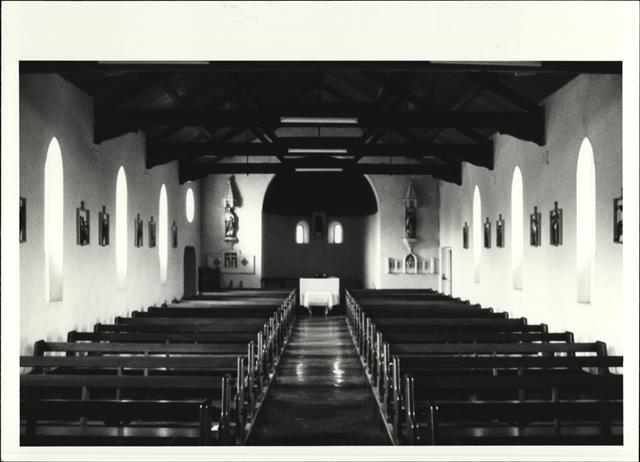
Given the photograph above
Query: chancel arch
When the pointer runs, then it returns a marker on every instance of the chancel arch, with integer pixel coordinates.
(323, 208)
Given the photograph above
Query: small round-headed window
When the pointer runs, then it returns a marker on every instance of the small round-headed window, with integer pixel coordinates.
(121, 229)
(53, 222)
(190, 206)
(302, 232)
(335, 233)
(163, 234)
(477, 233)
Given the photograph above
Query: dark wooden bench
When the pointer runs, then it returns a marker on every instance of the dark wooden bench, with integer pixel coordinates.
(551, 387)
(69, 422)
(150, 337)
(500, 423)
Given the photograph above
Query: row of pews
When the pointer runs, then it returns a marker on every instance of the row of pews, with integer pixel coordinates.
(446, 372)
(188, 373)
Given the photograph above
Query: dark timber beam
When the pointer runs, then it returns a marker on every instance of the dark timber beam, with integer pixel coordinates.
(194, 171)
(119, 67)
(477, 154)
(524, 125)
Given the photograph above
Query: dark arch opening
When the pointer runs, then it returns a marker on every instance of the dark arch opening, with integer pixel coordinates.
(190, 283)
(333, 193)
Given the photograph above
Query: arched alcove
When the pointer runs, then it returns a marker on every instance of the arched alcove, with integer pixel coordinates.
(317, 200)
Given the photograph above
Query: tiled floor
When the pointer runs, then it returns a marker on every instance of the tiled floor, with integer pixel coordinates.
(320, 395)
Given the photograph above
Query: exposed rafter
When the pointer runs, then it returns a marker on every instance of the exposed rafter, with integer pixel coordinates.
(192, 171)
(118, 68)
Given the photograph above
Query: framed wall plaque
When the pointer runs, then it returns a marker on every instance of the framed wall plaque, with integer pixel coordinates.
(617, 220)
(555, 225)
(487, 234)
(103, 227)
(465, 236)
(174, 235)
(534, 228)
(152, 233)
(138, 232)
(500, 232)
(318, 224)
(23, 219)
(82, 225)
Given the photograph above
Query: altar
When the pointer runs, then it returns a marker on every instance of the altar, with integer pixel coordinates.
(319, 292)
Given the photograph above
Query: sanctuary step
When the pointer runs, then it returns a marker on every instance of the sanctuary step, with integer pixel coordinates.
(320, 394)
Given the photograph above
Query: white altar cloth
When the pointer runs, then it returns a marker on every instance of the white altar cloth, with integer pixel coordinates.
(319, 292)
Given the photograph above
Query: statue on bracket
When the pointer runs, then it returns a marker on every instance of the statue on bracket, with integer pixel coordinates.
(230, 217)
(410, 204)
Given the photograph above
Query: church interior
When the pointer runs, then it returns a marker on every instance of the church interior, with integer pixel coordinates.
(276, 253)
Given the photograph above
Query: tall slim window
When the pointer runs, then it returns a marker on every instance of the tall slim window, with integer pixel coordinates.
(53, 223)
(302, 232)
(585, 220)
(477, 234)
(517, 229)
(122, 222)
(190, 206)
(163, 234)
(335, 233)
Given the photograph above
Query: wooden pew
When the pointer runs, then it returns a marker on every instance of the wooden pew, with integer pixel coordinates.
(66, 422)
(49, 389)
(443, 356)
(584, 422)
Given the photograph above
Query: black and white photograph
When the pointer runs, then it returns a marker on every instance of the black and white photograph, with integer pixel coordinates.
(152, 233)
(318, 182)
(555, 225)
(103, 227)
(82, 225)
(500, 232)
(23, 220)
(138, 231)
(534, 228)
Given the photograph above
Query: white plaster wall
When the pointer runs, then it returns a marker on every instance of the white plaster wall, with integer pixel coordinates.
(386, 241)
(587, 106)
(251, 189)
(50, 106)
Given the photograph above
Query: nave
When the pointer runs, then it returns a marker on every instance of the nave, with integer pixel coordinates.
(242, 367)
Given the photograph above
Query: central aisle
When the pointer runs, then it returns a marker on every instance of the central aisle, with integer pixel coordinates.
(320, 395)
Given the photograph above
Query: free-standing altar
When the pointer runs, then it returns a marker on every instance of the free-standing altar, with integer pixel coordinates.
(319, 292)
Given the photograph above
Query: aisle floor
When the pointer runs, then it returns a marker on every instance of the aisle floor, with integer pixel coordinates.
(320, 395)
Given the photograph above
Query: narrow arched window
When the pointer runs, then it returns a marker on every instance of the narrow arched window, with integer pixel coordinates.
(302, 232)
(189, 205)
(585, 220)
(122, 222)
(477, 234)
(517, 228)
(335, 234)
(163, 234)
(53, 223)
